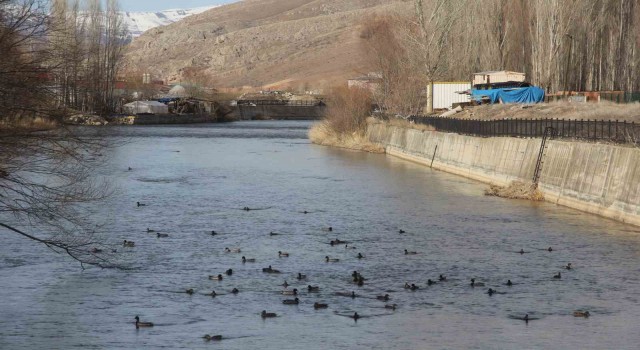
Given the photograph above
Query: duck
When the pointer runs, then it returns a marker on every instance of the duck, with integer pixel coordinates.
(233, 250)
(229, 272)
(235, 291)
(430, 282)
(383, 297)
(346, 246)
(273, 233)
(266, 314)
(568, 267)
(245, 260)
(407, 285)
(476, 284)
(442, 278)
(96, 250)
(246, 208)
(337, 241)
(401, 231)
(285, 284)
(311, 288)
(406, 252)
(141, 204)
(212, 294)
(550, 249)
(491, 291)
(305, 212)
(150, 230)
(584, 314)
(330, 229)
(270, 270)
(521, 251)
(295, 301)
(557, 276)
(142, 324)
(215, 278)
(317, 305)
(301, 276)
(189, 291)
(130, 168)
(327, 259)
(128, 243)
(355, 316)
(294, 291)
(526, 318)
(213, 232)
(360, 256)
(283, 254)
(509, 283)
(414, 287)
(360, 282)
(347, 294)
(208, 337)
(162, 235)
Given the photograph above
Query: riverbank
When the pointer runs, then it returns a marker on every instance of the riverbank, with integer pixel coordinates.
(596, 178)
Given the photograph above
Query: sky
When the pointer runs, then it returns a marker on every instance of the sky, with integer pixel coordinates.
(159, 5)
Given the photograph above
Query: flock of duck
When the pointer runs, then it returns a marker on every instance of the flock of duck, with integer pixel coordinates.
(356, 277)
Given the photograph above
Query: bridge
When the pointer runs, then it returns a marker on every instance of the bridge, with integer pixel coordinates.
(281, 109)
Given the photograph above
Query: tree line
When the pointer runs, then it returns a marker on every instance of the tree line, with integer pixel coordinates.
(561, 45)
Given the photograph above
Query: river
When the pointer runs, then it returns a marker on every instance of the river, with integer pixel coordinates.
(195, 179)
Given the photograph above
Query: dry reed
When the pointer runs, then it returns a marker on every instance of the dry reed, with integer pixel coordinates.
(516, 190)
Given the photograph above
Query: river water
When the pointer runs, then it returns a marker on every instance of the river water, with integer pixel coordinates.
(195, 179)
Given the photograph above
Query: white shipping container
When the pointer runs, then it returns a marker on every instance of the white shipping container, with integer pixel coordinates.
(444, 94)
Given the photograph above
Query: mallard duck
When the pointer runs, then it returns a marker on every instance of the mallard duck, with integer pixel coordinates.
(212, 294)
(301, 276)
(442, 278)
(290, 292)
(406, 252)
(557, 276)
(266, 314)
(317, 305)
(295, 301)
(327, 259)
(229, 272)
(273, 233)
(430, 282)
(584, 314)
(189, 291)
(311, 288)
(208, 337)
(360, 256)
(476, 284)
(355, 316)
(283, 254)
(128, 243)
(235, 291)
(245, 260)
(568, 267)
(491, 291)
(140, 204)
(509, 283)
(401, 231)
(150, 230)
(550, 249)
(162, 235)
(233, 250)
(142, 324)
(270, 270)
(383, 297)
(213, 233)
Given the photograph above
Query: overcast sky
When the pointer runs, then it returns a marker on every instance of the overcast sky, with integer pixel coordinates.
(159, 5)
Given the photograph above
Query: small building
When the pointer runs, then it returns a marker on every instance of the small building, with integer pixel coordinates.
(146, 107)
(445, 94)
(370, 81)
(496, 77)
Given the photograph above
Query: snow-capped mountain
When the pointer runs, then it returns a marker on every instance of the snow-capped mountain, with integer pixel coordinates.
(140, 22)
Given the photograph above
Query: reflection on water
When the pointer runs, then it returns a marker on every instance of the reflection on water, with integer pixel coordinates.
(198, 178)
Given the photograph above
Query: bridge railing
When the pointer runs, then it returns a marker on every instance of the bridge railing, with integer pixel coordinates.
(591, 130)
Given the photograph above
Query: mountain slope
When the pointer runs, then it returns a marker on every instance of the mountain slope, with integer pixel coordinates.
(279, 43)
(140, 22)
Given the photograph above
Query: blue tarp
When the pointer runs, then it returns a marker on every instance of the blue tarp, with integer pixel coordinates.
(532, 94)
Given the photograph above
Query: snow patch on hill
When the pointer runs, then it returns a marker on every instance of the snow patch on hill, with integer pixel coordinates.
(140, 22)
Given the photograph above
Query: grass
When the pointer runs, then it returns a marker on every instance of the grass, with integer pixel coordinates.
(323, 134)
(516, 190)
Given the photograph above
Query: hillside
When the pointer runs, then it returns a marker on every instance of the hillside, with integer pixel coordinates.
(304, 44)
(139, 22)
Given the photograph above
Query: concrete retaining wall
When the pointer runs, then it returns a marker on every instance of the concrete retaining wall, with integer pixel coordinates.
(596, 178)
